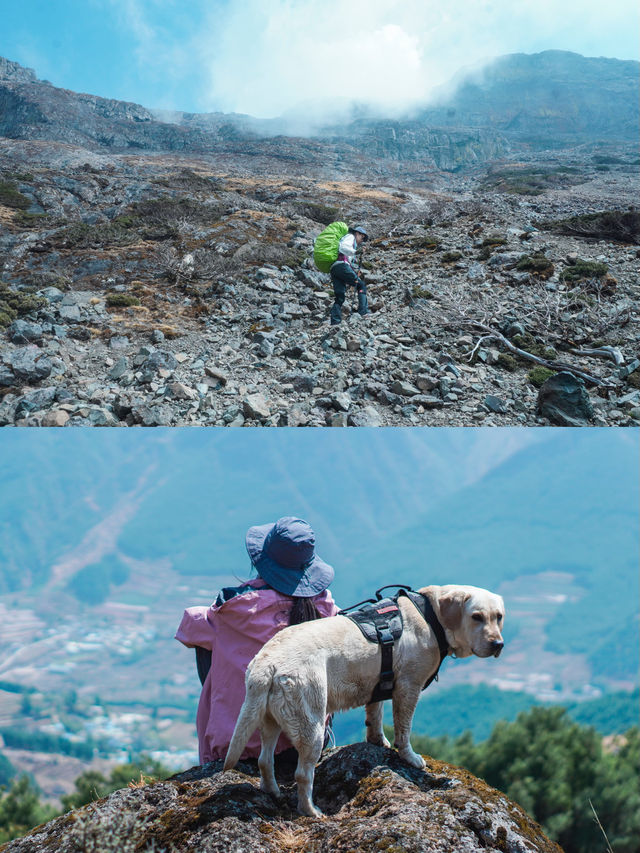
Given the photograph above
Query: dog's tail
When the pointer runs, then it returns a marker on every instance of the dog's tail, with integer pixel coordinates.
(258, 683)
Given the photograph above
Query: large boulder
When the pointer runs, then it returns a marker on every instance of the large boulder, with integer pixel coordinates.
(564, 400)
(372, 801)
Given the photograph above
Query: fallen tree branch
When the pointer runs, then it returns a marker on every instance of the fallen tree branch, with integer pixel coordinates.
(612, 353)
(552, 365)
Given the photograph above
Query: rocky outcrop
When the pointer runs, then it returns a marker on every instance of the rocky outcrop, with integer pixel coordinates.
(372, 800)
(15, 72)
(434, 147)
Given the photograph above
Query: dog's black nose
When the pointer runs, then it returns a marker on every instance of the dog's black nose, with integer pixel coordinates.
(497, 646)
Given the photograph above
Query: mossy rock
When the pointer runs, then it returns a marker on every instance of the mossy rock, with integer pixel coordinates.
(419, 292)
(634, 379)
(507, 362)
(121, 300)
(485, 253)
(451, 257)
(323, 213)
(494, 240)
(429, 241)
(539, 375)
(538, 264)
(10, 196)
(530, 344)
(582, 270)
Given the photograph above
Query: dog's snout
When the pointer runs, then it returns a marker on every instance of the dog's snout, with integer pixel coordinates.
(497, 646)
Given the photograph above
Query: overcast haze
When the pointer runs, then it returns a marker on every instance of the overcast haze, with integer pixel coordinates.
(267, 58)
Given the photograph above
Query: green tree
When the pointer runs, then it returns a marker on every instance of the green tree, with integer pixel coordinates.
(7, 770)
(554, 767)
(20, 809)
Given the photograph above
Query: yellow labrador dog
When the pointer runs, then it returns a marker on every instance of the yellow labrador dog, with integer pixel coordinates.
(310, 670)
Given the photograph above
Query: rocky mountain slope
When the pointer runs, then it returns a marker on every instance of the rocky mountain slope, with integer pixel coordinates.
(172, 290)
(372, 801)
(33, 109)
(177, 286)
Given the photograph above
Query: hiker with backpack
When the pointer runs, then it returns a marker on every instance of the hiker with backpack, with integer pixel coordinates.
(335, 252)
(291, 587)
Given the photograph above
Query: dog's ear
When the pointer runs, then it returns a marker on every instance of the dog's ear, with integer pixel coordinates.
(451, 607)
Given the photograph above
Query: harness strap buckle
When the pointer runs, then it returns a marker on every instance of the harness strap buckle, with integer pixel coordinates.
(385, 637)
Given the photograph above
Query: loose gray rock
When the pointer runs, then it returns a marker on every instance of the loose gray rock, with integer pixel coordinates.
(255, 406)
(341, 401)
(55, 418)
(338, 419)
(160, 360)
(119, 342)
(152, 416)
(34, 401)
(367, 417)
(24, 332)
(29, 364)
(405, 389)
(495, 404)
(119, 368)
(301, 381)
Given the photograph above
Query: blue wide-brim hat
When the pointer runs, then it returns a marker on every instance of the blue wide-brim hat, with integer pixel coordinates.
(284, 556)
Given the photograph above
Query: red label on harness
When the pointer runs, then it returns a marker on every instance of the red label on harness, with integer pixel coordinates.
(387, 609)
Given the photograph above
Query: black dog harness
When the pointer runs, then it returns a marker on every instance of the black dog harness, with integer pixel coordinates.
(380, 620)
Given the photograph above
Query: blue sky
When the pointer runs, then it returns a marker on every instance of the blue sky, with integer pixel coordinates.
(265, 57)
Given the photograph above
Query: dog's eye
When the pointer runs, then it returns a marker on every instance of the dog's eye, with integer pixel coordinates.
(499, 617)
(477, 617)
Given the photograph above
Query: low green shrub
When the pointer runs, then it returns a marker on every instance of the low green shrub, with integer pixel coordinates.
(584, 269)
(10, 196)
(121, 300)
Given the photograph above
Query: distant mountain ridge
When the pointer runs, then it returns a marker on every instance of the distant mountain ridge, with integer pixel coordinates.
(538, 519)
(544, 100)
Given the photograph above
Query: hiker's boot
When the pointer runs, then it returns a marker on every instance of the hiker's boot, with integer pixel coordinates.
(363, 305)
(336, 314)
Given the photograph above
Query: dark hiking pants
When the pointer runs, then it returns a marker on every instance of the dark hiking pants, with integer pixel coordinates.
(343, 276)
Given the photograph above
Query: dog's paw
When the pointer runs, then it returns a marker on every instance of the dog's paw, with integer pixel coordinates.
(412, 758)
(274, 790)
(379, 740)
(309, 809)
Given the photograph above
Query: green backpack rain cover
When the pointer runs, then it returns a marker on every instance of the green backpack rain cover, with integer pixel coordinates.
(325, 248)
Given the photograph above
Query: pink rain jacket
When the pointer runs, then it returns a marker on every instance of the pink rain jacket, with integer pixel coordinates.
(235, 631)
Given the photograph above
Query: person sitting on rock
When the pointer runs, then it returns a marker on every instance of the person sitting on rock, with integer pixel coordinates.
(291, 587)
(343, 274)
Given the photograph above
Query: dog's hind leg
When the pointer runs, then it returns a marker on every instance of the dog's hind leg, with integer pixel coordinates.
(309, 746)
(269, 733)
(375, 734)
(405, 699)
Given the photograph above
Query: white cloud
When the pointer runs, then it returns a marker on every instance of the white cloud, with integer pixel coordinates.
(264, 59)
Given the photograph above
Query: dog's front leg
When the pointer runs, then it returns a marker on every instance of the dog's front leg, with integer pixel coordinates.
(405, 699)
(375, 733)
